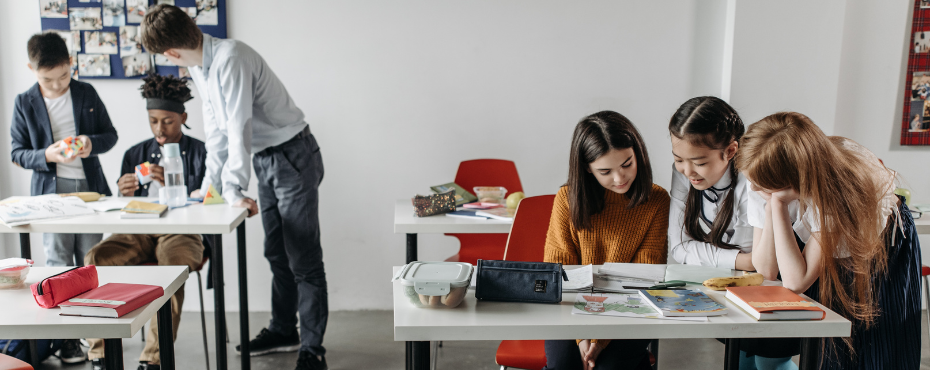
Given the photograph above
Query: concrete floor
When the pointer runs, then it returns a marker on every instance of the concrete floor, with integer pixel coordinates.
(364, 340)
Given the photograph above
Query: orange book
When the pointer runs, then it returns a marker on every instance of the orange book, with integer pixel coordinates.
(766, 303)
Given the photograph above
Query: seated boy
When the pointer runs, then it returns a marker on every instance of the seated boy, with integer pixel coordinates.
(165, 97)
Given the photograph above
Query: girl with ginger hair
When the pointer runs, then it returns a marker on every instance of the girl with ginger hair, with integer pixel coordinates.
(828, 222)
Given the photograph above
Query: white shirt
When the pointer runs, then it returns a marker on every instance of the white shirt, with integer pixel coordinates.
(246, 109)
(61, 116)
(684, 248)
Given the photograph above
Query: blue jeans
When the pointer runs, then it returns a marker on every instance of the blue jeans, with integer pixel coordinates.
(68, 249)
(288, 177)
(619, 354)
(765, 363)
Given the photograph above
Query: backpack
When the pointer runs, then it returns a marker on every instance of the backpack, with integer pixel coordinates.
(19, 348)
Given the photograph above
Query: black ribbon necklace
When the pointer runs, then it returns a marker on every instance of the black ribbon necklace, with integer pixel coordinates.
(713, 195)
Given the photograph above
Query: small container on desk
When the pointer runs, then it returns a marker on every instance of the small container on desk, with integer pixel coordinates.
(491, 194)
(435, 284)
(13, 272)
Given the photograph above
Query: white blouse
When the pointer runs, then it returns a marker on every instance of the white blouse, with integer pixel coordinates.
(684, 248)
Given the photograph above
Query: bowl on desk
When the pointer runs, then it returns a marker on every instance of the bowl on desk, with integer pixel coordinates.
(435, 284)
(13, 272)
(491, 194)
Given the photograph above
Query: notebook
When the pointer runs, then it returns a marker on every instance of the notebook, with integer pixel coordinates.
(137, 209)
(111, 300)
(766, 303)
(682, 303)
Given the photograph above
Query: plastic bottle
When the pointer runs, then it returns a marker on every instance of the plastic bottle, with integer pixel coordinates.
(174, 175)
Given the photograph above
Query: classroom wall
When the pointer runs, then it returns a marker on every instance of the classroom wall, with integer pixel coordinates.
(398, 93)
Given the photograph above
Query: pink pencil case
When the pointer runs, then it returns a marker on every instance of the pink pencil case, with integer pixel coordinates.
(55, 289)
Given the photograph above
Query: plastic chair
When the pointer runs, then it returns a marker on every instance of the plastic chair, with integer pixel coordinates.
(527, 243)
(13, 363)
(484, 172)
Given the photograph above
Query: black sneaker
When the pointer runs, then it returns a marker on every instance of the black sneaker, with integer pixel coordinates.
(309, 361)
(71, 352)
(268, 342)
(143, 365)
(98, 364)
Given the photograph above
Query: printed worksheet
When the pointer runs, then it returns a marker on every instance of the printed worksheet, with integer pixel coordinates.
(619, 304)
(15, 211)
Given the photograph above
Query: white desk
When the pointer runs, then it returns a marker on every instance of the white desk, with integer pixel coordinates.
(22, 318)
(923, 224)
(405, 222)
(475, 320)
(194, 219)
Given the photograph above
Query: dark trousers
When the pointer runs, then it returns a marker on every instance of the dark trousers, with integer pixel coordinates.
(620, 354)
(289, 176)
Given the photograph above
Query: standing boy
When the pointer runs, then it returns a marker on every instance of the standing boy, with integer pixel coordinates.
(56, 108)
(248, 111)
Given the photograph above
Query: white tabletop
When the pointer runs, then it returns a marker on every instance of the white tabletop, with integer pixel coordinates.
(405, 222)
(22, 318)
(473, 320)
(923, 224)
(193, 219)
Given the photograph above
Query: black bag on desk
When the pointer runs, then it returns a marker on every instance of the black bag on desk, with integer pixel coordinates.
(513, 281)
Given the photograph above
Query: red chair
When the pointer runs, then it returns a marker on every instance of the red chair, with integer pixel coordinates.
(12, 363)
(527, 243)
(484, 172)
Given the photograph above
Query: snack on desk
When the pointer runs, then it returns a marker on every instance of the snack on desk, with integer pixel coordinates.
(143, 173)
(491, 194)
(13, 272)
(435, 284)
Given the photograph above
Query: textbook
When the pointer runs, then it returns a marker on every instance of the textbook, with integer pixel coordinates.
(111, 300)
(682, 303)
(766, 303)
(462, 196)
(137, 209)
(503, 214)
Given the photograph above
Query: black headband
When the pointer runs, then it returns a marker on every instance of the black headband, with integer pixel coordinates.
(164, 104)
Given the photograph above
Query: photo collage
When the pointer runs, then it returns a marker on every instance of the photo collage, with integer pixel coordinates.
(915, 121)
(96, 30)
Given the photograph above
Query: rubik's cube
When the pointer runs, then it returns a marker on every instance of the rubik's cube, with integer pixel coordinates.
(72, 146)
(143, 173)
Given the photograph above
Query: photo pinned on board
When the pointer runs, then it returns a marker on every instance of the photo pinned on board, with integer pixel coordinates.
(85, 19)
(137, 65)
(114, 14)
(190, 10)
(920, 121)
(920, 86)
(135, 10)
(207, 13)
(74, 66)
(72, 40)
(53, 8)
(130, 42)
(93, 65)
(168, 2)
(100, 43)
(161, 60)
(183, 72)
(925, 4)
(89, 1)
(921, 42)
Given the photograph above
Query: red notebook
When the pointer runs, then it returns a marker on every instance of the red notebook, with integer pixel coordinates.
(774, 303)
(111, 300)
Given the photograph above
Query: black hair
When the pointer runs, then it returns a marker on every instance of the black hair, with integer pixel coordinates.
(595, 136)
(165, 87)
(47, 50)
(712, 123)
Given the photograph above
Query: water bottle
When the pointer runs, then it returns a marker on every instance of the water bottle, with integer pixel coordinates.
(174, 175)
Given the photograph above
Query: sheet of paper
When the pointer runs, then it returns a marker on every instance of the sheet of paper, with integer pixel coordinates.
(579, 278)
(15, 211)
(109, 204)
(620, 304)
(695, 274)
(643, 271)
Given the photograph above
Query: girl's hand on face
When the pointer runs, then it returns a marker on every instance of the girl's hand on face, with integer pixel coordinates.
(785, 196)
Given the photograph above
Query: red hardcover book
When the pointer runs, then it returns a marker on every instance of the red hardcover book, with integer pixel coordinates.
(111, 300)
(774, 303)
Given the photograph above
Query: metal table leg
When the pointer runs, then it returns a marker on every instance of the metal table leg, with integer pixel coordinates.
(810, 353)
(411, 247)
(33, 352)
(418, 355)
(219, 302)
(731, 358)
(25, 247)
(113, 353)
(243, 300)
(165, 336)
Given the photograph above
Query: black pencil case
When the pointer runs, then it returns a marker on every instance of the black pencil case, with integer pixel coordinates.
(514, 281)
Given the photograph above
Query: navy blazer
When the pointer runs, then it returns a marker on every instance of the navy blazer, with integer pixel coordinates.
(32, 134)
(193, 155)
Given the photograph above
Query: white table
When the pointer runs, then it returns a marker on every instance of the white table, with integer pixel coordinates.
(194, 219)
(923, 224)
(475, 320)
(22, 318)
(405, 222)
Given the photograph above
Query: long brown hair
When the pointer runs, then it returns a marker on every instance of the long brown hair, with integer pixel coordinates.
(709, 122)
(594, 136)
(787, 150)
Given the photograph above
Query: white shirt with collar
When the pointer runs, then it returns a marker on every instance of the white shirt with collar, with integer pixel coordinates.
(246, 109)
(684, 248)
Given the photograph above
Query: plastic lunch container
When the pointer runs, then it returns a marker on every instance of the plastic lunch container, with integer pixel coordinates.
(490, 194)
(435, 284)
(13, 272)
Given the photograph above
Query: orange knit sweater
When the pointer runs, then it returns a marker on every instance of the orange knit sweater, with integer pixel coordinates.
(618, 234)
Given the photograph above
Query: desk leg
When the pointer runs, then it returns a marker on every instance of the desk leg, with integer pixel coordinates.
(165, 336)
(411, 247)
(810, 353)
(731, 358)
(219, 302)
(33, 352)
(25, 247)
(418, 355)
(243, 300)
(113, 353)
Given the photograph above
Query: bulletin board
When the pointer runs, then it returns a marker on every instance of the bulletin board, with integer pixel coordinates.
(915, 128)
(103, 35)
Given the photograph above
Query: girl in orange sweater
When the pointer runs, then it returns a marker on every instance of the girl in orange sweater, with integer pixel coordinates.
(609, 211)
